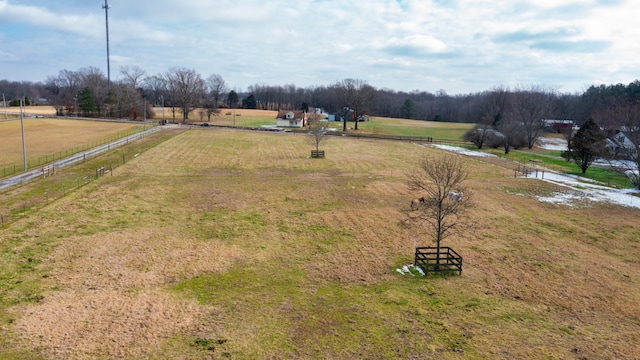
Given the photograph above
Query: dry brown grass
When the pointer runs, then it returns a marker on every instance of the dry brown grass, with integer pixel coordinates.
(38, 110)
(291, 257)
(223, 112)
(50, 136)
(77, 324)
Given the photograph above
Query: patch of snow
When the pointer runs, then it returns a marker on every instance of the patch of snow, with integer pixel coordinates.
(561, 198)
(463, 151)
(552, 144)
(411, 270)
(582, 189)
(619, 164)
(586, 189)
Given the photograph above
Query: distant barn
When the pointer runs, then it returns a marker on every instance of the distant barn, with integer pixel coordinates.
(557, 125)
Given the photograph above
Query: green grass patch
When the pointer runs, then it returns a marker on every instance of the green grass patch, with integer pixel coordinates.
(403, 127)
(530, 158)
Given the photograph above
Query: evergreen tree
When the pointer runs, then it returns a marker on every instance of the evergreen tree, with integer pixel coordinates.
(86, 102)
(408, 110)
(587, 145)
(250, 102)
(232, 99)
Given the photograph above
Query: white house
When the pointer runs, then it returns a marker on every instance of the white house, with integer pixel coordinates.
(623, 146)
(291, 118)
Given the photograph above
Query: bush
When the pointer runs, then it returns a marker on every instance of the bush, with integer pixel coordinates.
(16, 102)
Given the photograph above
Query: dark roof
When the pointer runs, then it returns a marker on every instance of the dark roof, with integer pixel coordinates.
(297, 114)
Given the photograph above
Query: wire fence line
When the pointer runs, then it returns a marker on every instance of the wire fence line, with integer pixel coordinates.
(41, 160)
(55, 187)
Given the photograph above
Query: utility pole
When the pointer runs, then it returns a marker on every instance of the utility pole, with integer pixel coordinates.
(162, 97)
(144, 120)
(106, 8)
(24, 146)
(4, 102)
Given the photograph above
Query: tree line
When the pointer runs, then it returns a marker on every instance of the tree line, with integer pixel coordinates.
(86, 91)
(606, 123)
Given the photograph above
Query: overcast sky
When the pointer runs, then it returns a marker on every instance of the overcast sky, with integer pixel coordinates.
(460, 46)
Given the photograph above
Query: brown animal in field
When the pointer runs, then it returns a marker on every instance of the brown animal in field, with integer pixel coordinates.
(415, 203)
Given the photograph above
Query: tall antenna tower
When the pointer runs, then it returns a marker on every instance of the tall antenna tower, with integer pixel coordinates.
(106, 8)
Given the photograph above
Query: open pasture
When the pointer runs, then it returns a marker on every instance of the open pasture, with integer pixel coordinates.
(44, 110)
(47, 136)
(375, 125)
(404, 127)
(243, 117)
(233, 244)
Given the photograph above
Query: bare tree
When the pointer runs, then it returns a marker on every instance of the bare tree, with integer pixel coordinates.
(317, 128)
(63, 90)
(568, 134)
(443, 202)
(530, 107)
(357, 96)
(132, 75)
(93, 79)
(217, 88)
(186, 87)
(626, 115)
(496, 104)
(156, 88)
(129, 94)
(512, 132)
(480, 133)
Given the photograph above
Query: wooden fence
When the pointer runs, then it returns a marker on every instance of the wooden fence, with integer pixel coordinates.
(446, 261)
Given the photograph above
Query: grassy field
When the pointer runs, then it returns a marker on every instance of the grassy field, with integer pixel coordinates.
(403, 127)
(47, 136)
(232, 244)
(376, 125)
(37, 110)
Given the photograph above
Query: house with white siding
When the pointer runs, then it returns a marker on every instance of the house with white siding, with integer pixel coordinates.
(291, 118)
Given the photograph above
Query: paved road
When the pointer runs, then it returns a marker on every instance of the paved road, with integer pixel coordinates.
(32, 174)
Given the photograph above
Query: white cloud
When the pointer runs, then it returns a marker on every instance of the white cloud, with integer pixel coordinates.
(5, 55)
(418, 43)
(41, 17)
(461, 46)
